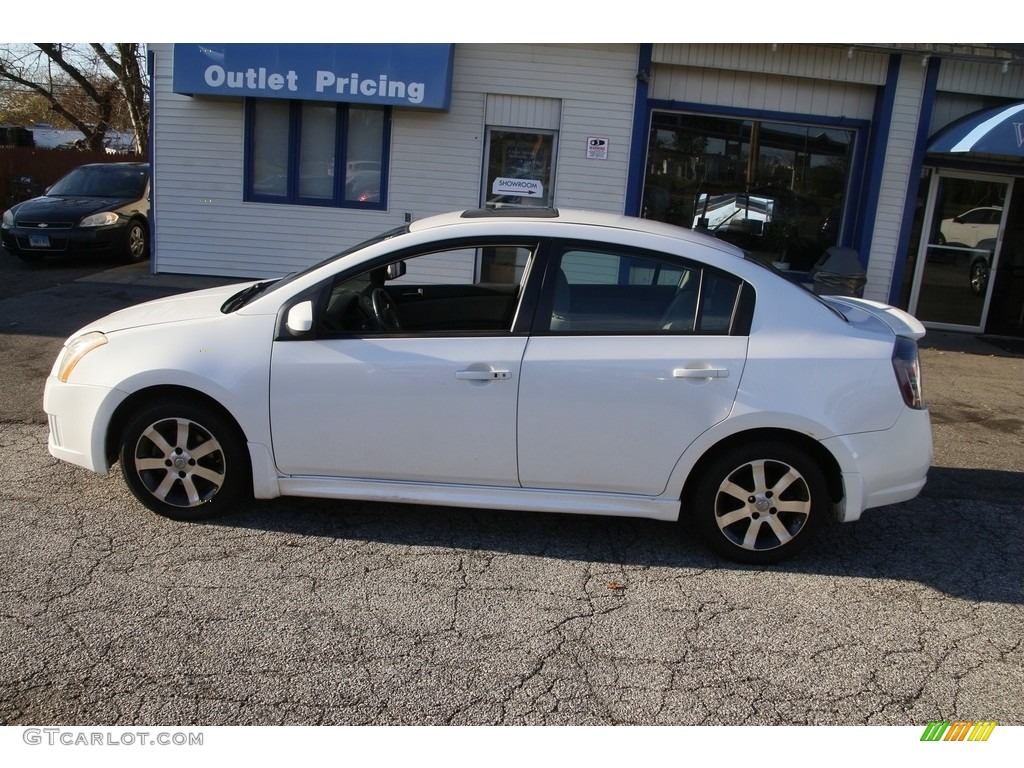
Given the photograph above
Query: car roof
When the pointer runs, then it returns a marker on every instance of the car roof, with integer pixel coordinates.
(578, 216)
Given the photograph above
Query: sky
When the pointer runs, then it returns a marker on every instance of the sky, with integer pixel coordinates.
(550, 21)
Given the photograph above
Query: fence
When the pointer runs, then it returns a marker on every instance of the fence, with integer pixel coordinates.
(27, 171)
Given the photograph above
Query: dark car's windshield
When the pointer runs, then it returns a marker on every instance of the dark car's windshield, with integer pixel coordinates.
(102, 181)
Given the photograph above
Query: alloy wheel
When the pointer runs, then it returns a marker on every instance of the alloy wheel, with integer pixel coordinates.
(179, 462)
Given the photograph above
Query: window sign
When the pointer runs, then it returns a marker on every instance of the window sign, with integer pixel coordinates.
(517, 187)
(597, 148)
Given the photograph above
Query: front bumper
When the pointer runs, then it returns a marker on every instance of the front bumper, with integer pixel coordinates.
(79, 416)
(76, 241)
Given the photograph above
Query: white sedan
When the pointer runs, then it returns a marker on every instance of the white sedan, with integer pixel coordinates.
(519, 359)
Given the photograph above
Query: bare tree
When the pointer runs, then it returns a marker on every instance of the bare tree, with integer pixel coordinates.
(94, 88)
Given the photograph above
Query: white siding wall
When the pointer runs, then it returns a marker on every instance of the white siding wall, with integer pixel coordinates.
(758, 91)
(204, 227)
(981, 78)
(820, 61)
(811, 80)
(892, 197)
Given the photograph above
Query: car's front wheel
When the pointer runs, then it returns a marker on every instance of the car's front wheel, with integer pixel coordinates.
(184, 461)
(136, 242)
(760, 503)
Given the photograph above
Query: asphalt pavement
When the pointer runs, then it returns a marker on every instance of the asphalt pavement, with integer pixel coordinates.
(303, 611)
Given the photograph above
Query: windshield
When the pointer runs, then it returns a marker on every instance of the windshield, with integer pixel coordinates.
(102, 181)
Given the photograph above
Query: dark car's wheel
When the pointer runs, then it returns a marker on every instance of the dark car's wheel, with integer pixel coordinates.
(136, 242)
(760, 503)
(979, 277)
(184, 461)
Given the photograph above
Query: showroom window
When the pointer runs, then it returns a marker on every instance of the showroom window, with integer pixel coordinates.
(519, 167)
(775, 189)
(316, 153)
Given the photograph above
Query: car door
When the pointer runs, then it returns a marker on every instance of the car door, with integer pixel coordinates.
(365, 397)
(635, 356)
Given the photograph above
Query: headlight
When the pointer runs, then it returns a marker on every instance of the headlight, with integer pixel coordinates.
(8, 218)
(99, 219)
(76, 349)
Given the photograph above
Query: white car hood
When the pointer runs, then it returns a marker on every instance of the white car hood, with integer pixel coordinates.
(172, 309)
(873, 314)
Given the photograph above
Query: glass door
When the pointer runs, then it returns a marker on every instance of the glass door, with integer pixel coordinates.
(956, 262)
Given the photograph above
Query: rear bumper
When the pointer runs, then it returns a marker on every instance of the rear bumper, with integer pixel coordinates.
(886, 467)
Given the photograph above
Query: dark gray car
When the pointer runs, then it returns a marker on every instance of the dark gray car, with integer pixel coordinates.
(100, 209)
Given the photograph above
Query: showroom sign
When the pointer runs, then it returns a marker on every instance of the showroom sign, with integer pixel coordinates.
(518, 187)
(407, 75)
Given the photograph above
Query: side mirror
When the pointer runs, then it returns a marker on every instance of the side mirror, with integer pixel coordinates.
(300, 318)
(395, 270)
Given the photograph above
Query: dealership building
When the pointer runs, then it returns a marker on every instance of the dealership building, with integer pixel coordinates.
(270, 157)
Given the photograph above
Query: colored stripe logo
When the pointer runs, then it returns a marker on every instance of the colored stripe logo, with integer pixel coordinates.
(958, 730)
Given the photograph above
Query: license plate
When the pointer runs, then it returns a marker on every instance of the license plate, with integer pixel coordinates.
(39, 241)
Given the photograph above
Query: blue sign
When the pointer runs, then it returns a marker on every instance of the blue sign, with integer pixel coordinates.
(417, 75)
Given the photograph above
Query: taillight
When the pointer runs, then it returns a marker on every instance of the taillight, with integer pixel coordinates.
(907, 365)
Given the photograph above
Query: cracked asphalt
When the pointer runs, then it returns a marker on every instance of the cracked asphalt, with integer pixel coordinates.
(315, 612)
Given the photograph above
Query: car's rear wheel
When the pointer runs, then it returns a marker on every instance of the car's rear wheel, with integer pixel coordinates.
(184, 461)
(760, 503)
(136, 242)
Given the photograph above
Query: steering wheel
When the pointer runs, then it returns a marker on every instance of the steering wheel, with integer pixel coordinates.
(385, 314)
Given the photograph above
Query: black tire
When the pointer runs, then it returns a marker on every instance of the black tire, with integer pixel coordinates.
(136, 242)
(185, 461)
(760, 503)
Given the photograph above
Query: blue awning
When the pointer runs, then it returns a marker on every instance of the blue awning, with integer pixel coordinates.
(994, 131)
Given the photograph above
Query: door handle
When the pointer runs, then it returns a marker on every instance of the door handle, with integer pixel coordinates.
(700, 373)
(482, 375)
